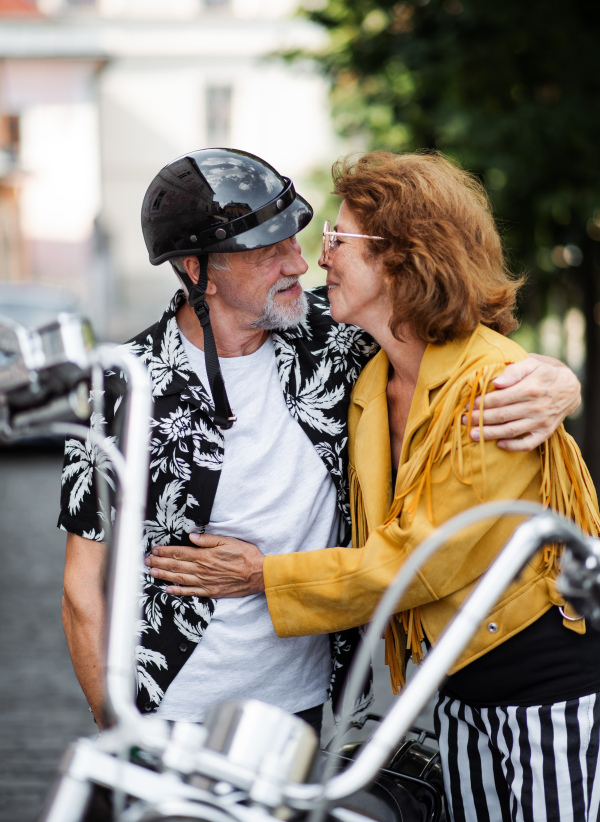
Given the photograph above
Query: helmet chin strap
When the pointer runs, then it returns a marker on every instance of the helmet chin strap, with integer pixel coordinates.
(224, 417)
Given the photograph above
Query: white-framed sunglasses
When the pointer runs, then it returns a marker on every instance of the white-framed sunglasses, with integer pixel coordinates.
(330, 239)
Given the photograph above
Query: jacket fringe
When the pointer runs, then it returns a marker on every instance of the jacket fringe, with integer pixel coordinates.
(566, 487)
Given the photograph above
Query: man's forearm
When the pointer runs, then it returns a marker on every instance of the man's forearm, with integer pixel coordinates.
(85, 638)
(84, 616)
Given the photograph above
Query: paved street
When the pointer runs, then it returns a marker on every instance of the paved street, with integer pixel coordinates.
(41, 706)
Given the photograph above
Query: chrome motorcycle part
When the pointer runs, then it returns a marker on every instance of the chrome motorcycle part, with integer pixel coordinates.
(410, 787)
(275, 746)
(579, 581)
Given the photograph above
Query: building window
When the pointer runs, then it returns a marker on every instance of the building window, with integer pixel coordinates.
(218, 115)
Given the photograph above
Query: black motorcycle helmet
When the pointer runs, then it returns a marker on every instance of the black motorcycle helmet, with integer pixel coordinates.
(217, 200)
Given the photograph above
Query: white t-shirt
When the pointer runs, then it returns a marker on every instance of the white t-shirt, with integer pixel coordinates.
(274, 491)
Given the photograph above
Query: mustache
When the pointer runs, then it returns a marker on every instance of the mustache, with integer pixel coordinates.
(283, 285)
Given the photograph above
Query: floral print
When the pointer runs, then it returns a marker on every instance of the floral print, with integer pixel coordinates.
(318, 362)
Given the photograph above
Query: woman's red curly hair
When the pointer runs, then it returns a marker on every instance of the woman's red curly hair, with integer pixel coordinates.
(442, 254)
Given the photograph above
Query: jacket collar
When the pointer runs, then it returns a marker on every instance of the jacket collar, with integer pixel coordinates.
(372, 455)
(437, 365)
(371, 447)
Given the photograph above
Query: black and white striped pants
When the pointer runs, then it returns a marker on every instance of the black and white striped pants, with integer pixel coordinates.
(513, 764)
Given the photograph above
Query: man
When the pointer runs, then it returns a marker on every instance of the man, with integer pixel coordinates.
(228, 221)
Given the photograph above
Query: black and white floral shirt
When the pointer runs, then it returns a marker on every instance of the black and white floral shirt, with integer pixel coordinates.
(318, 363)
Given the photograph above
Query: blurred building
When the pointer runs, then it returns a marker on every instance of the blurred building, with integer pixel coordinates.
(97, 95)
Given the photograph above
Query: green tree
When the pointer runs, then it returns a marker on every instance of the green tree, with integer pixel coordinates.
(512, 91)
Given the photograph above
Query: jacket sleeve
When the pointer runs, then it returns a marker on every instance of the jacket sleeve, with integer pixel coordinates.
(336, 588)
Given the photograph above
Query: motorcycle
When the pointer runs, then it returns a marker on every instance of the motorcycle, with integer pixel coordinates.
(249, 762)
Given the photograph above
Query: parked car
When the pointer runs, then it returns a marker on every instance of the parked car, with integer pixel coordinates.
(34, 305)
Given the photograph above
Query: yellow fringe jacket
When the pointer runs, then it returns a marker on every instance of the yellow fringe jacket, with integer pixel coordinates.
(441, 472)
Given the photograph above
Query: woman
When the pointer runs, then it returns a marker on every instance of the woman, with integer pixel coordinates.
(416, 261)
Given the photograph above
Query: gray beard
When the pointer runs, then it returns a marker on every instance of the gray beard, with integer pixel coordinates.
(275, 316)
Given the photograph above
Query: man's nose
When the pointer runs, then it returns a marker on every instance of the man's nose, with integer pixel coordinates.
(294, 263)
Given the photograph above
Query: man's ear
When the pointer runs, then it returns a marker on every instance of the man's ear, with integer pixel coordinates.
(192, 267)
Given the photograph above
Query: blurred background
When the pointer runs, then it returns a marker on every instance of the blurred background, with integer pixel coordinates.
(97, 95)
